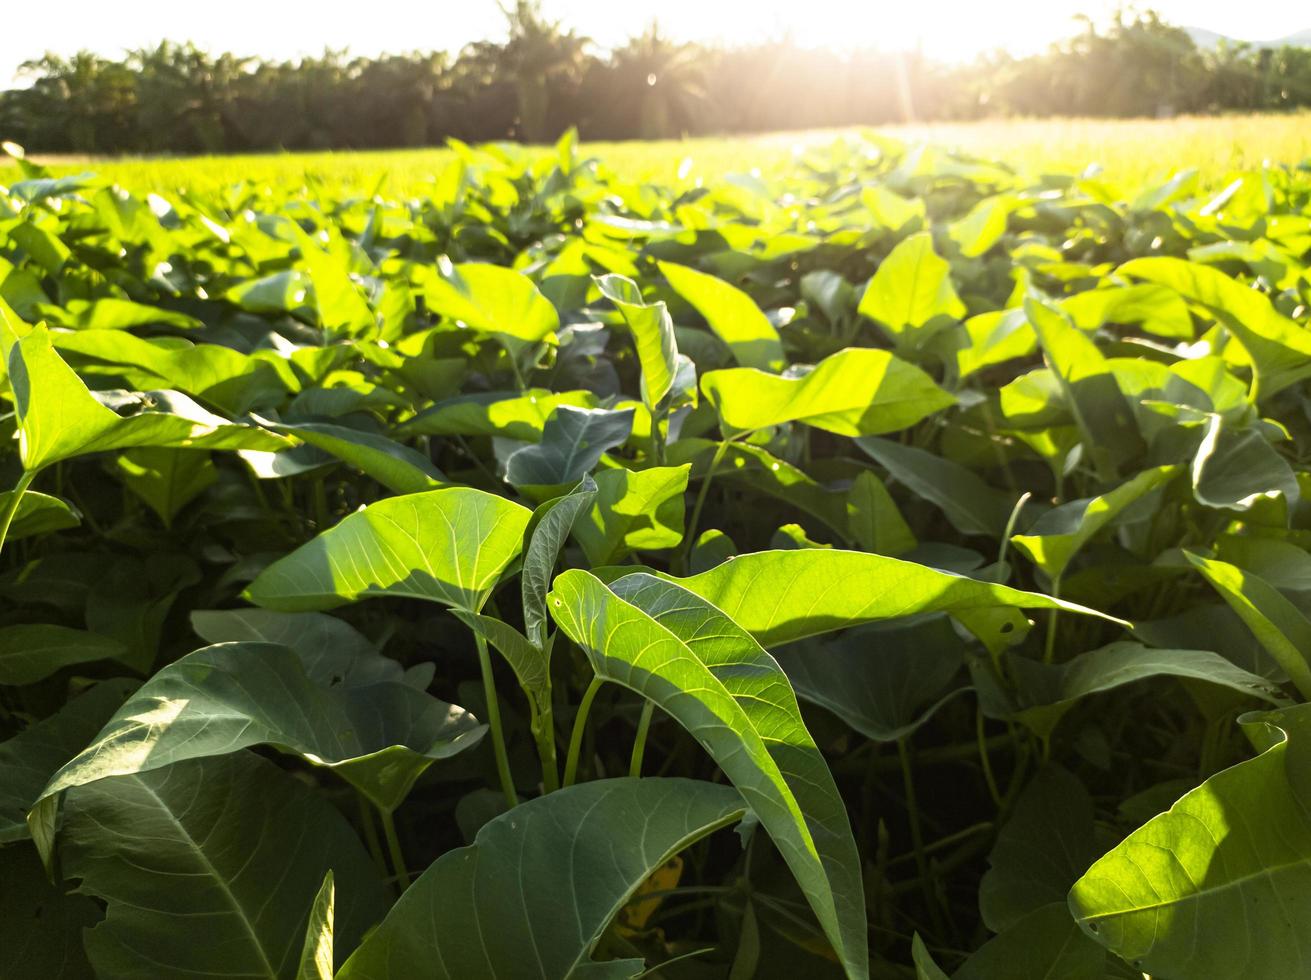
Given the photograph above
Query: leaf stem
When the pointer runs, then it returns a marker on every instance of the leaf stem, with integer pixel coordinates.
(639, 743)
(1049, 649)
(494, 721)
(993, 790)
(15, 498)
(576, 737)
(394, 848)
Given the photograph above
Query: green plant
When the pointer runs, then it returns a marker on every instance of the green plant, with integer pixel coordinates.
(401, 587)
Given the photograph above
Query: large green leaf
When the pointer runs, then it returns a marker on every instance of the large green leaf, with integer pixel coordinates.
(166, 479)
(38, 513)
(30, 652)
(731, 314)
(859, 391)
(1236, 469)
(448, 546)
(884, 682)
(396, 466)
(968, 502)
(1212, 889)
(530, 897)
(1279, 347)
(705, 671)
(1092, 394)
(573, 441)
(491, 298)
(1039, 694)
(379, 735)
(1061, 533)
(210, 868)
(911, 295)
(511, 415)
(1282, 628)
(59, 418)
(781, 596)
(633, 510)
(653, 336)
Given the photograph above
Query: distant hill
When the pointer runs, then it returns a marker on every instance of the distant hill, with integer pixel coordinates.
(1210, 39)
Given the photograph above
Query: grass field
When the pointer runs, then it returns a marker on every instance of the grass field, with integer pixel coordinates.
(1130, 151)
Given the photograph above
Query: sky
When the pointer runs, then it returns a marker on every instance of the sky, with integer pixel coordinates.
(946, 29)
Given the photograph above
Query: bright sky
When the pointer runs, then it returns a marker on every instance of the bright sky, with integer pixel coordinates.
(948, 29)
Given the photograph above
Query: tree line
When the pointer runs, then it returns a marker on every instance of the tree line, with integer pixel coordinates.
(544, 77)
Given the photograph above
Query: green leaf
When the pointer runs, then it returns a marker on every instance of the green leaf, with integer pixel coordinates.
(731, 314)
(30, 652)
(1045, 943)
(38, 513)
(653, 335)
(856, 392)
(447, 546)
(497, 908)
(210, 868)
(573, 441)
(58, 418)
(378, 735)
(166, 479)
(969, 504)
(41, 922)
(1061, 533)
(531, 664)
(511, 415)
(885, 682)
(316, 962)
(911, 295)
(1110, 434)
(1211, 889)
(781, 596)
(983, 226)
(1042, 850)
(491, 298)
(890, 210)
(1039, 695)
(706, 672)
(551, 525)
(330, 649)
(873, 519)
(633, 510)
(925, 968)
(1279, 347)
(30, 758)
(1236, 469)
(397, 467)
(1280, 626)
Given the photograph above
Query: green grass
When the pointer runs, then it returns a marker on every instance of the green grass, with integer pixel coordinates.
(1130, 151)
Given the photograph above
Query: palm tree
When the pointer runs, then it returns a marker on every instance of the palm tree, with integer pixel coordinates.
(664, 80)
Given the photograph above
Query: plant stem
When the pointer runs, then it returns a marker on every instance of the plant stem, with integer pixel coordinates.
(917, 832)
(986, 763)
(697, 507)
(394, 848)
(370, 832)
(544, 734)
(576, 737)
(15, 498)
(639, 743)
(494, 721)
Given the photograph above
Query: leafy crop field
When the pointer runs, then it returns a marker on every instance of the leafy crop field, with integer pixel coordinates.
(887, 563)
(1129, 152)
